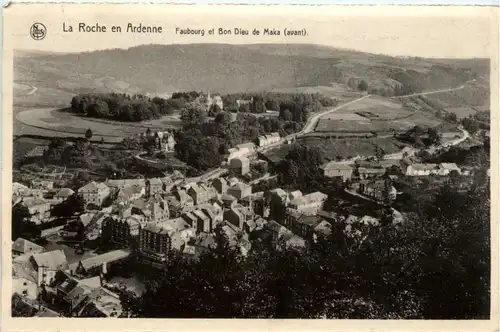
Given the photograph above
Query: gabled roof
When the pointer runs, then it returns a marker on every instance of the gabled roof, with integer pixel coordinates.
(16, 186)
(155, 181)
(332, 165)
(24, 246)
(126, 182)
(34, 202)
(93, 186)
(324, 228)
(450, 166)
(96, 261)
(53, 260)
(37, 151)
(424, 167)
(65, 192)
(240, 186)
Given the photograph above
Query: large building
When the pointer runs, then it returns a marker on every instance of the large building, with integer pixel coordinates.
(266, 140)
(38, 208)
(94, 193)
(154, 208)
(203, 219)
(338, 170)
(447, 168)
(216, 100)
(47, 264)
(123, 230)
(239, 190)
(201, 193)
(155, 243)
(422, 169)
(165, 141)
(370, 172)
(122, 183)
(153, 186)
(309, 204)
(241, 165)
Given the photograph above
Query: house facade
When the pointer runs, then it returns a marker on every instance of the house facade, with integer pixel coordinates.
(337, 170)
(123, 231)
(155, 243)
(240, 190)
(266, 140)
(309, 204)
(94, 193)
(422, 169)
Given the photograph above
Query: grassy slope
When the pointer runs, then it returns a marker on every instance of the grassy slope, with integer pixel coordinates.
(229, 68)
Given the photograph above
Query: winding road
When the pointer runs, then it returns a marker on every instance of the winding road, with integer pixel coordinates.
(310, 125)
(434, 91)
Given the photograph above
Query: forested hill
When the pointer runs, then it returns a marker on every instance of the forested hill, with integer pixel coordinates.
(235, 68)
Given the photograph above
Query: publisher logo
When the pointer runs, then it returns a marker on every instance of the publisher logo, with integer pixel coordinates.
(38, 31)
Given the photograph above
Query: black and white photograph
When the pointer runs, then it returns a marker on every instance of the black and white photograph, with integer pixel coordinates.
(172, 165)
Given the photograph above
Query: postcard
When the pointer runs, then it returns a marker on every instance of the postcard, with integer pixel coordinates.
(247, 167)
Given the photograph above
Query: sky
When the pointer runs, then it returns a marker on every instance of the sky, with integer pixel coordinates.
(442, 32)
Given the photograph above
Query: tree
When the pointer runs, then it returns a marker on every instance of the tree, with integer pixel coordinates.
(301, 166)
(223, 118)
(21, 224)
(363, 86)
(286, 115)
(88, 134)
(244, 108)
(379, 153)
(74, 204)
(434, 137)
(192, 115)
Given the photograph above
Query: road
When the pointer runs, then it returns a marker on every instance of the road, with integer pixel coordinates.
(313, 120)
(434, 91)
(265, 177)
(32, 91)
(309, 126)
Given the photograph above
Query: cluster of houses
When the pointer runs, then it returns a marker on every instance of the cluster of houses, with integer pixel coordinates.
(45, 283)
(442, 169)
(164, 140)
(39, 198)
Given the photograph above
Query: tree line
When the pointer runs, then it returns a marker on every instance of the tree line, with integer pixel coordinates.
(123, 107)
(295, 103)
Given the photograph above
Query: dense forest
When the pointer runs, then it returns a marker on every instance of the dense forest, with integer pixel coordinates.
(434, 266)
(123, 107)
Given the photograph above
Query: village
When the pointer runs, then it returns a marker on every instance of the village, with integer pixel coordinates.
(150, 220)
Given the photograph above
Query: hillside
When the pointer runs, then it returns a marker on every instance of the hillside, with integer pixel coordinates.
(163, 69)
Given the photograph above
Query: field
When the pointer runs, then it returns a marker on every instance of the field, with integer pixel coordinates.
(57, 122)
(336, 91)
(472, 98)
(341, 147)
(375, 114)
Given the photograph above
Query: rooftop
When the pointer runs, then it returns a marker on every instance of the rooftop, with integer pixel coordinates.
(53, 260)
(24, 246)
(424, 167)
(332, 165)
(126, 182)
(65, 192)
(93, 186)
(96, 261)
